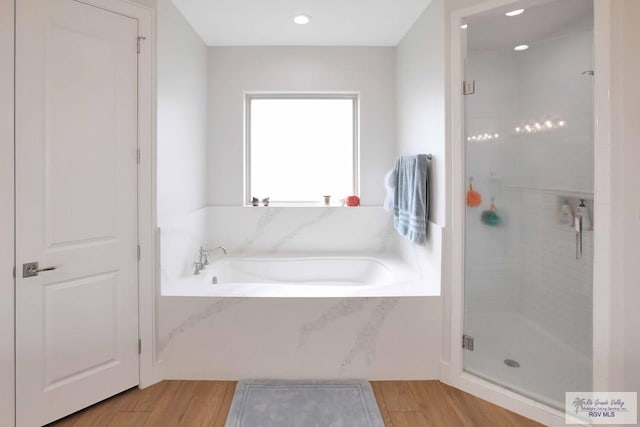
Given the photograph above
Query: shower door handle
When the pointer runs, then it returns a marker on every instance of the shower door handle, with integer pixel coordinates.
(578, 227)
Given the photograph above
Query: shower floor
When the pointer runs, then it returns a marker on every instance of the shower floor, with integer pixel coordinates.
(548, 367)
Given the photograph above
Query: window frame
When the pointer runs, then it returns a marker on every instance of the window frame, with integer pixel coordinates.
(250, 96)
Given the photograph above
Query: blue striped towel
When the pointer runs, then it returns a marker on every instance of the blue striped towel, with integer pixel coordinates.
(411, 198)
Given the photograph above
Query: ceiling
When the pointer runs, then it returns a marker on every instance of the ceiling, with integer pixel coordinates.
(541, 19)
(270, 22)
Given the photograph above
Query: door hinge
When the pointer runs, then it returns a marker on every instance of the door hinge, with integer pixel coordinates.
(139, 346)
(140, 38)
(467, 342)
(468, 88)
(138, 155)
(139, 253)
(14, 271)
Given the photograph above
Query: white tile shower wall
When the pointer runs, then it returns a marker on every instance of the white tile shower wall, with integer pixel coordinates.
(553, 87)
(235, 338)
(556, 288)
(251, 230)
(491, 270)
(528, 264)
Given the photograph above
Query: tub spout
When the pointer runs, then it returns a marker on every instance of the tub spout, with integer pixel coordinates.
(204, 259)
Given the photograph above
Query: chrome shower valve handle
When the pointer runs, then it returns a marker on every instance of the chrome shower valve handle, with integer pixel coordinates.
(578, 228)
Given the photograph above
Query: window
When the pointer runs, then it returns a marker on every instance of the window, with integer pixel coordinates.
(300, 148)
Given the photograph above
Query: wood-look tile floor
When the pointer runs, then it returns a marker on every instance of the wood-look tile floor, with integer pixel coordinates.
(206, 403)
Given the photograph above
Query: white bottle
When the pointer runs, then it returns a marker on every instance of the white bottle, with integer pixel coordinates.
(582, 211)
(566, 216)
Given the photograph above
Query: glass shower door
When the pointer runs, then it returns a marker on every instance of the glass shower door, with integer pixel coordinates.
(529, 225)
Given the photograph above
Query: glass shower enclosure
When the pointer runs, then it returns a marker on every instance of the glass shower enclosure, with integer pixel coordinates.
(529, 227)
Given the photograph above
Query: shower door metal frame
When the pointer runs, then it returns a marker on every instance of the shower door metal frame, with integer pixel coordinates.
(452, 370)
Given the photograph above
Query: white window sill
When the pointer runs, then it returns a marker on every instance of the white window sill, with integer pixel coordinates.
(299, 205)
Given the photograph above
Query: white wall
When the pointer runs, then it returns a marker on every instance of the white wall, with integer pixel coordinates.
(182, 115)
(149, 3)
(420, 86)
(625, 212)
(234, 70)
(7, 396)
(420, 77)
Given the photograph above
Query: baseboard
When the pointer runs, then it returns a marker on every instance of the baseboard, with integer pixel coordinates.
(151, 375)
(502, 397)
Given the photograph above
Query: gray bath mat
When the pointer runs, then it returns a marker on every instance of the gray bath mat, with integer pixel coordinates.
(260, 403)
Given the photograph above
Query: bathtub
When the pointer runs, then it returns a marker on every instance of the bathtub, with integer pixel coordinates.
(303, 277)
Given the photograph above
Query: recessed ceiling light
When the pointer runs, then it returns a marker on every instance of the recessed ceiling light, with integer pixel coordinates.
(521, 47)
(515, 12)
(302, 19)
(464, 26)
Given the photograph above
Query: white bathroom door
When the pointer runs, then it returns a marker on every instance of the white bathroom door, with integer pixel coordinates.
(76, 207)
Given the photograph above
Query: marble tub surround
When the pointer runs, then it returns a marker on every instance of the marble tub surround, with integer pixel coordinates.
(242, 230)
(284, 230)
(214, 307)
(341, 309)
(300, 338)
(368, 334)
(322, 335)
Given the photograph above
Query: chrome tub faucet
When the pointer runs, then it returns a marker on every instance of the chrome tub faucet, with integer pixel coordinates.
(198, 268)
(203, 259)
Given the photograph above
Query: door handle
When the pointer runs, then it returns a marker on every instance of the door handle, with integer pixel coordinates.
(31, 269)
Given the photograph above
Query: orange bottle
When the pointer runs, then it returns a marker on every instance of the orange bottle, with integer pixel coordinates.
(474, 199)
